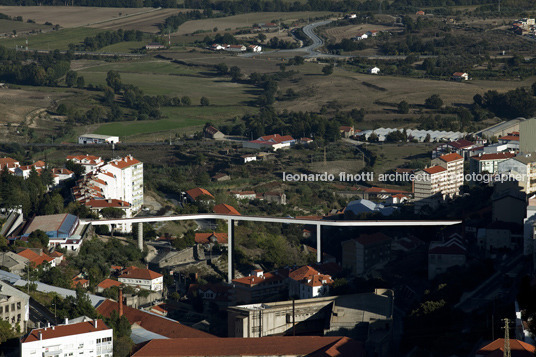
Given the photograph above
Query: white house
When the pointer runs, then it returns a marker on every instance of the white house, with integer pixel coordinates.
(244, 195)
(61, 175)
(255, 48)
(235, 48)
(25, 170)
(360, 36)
(97, 139)
(306, 283)
(374, 70)
(248, 158)
(89, 162)
(142, 278)
(271, 142)
(129, 177)
(217, 47)
(89, 338)
(460, 76)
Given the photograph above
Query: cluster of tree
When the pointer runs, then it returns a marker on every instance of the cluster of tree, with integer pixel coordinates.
(234, 71)
(42, 72)
(276, 43)
(347, 44)
(512, 104)
(438, 122)
(73, 79)
(172, 23)
(107, 38)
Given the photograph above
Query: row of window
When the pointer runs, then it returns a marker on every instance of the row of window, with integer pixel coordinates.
(14, 306)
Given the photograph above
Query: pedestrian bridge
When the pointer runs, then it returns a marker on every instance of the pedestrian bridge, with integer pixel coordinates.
(231, 219)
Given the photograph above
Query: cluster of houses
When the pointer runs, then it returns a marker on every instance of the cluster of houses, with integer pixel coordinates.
(267, 26)
(524, 26)
(14, 167)
(235, 48)
(362, 36)
(275, 142)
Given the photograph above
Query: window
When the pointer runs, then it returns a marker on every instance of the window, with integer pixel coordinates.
(18, 305)
(7, 308)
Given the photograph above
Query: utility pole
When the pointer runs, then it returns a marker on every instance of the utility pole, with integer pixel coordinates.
(507, 352)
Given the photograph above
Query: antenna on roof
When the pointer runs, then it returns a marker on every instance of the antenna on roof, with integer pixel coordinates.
(507, 351)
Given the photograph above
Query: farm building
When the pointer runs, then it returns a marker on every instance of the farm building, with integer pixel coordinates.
(255, 48)
(374, 70)
(154, 46)
(97, 139)
(419, 135)
(460, 76)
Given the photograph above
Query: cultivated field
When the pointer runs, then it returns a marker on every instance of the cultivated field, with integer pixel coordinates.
(146, 21)
(336, 34)
(77, 16)
(51, 40)
(247, 20)
(7, 27)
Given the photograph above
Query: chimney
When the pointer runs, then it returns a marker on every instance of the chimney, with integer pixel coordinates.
(95, 323)
(40, 335)
(48, 324)
(66, 320)
(53, 326)
(120, 302)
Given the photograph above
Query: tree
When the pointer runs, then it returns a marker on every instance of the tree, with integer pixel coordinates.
(261, 37)
(6, 331)
(186, 101)
(61, 109)
(204, 102)
(433, 102)
(327, 70)
(235, 73)
(373, 138)
(38, 238)
(113, 80)
(112, 212)
(403, 107)
(77, 169)
(80, 82)
(222, 68)
(70, 78)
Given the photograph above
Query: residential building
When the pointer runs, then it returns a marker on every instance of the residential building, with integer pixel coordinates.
(259, 286)
(97, 205)
(346, 131)
(460, 76)
(128, 173)
(37, 259)
(496, 348)
(97, 139)
(78, 281)
(523, 168)
(371, 313)
(305, 141)
(374, 70)
(106, 284)
(289, 346)
(213, 133)
(509, 203)
(529, 229)
(236, 48)
(61, 174)
(427, 186)
(255, 48)
(511, 138)
(306, 282)
(270, 142)
(25, 170)
(14, 306)
(89, 162)
(453, 162)
(276, 197)
(89, 338)
(527, 136)
(362, 254)
(221, 177)
(13, 263)
(211, 238)
(244, 195)
(225, 209)
(461, 146)
(58, 227)
(248, 158)
(142, 278)
(154, 46)
(9, 164)
(198, 194)
(488, 163)
(444, 255)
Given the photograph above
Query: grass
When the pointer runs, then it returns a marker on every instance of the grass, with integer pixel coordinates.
(7, 26)
(177, 118)
(123, 47)
(52, 40)
(144, 66)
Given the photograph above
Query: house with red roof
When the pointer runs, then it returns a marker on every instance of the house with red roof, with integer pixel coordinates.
(346, 131)
(460, 76)
(88, 338)
(496, 349)
(488, 163)
(208, 238)
(142, 279)
(260, 286)
(366, 252)
(444, 255)
(270, 142)
(61, 174)
(38, 259)
(89, 162)
(461, 146)
(25, 170)
(107, 284)
(9, 164)
(225, 209)
(244, 195)
(306, 282)
(78, 281)
(510, 138)
(198, 194)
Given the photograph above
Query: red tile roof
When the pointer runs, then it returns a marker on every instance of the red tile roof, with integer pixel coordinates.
(372, 239)
(517, 348)
(65, 330)
(497, 156)
(79, 281)
(510, 138)
(451, 157)
(276, 138)
(108, 283)
(154, 323)
(204, 238)
(225, 209)
(327, 346)
(125, 162)
(255, 280)
(346, 128)
(107, 203)
(194, 193)
(9, 162)
(434, 169)
(302, 273)
(458, 74)
(61, 171)
(461, 144)
(36, 259)
(92, 159)
(142, 274)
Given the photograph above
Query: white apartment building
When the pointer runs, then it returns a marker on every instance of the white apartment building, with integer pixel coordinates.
(523, 167)
(14, 306)
(128, 173)
(89, 338)
(143, 278)
(428, 184)
(306, 283)
(453, 162)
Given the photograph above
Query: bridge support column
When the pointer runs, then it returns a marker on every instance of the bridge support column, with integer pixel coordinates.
(140, 236)
(230, 248)
(318, 243)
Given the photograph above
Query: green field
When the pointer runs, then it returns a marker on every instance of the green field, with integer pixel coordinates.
(52, 40)
(177, 118)
(7, 26)
(123, 47)
(167, 78)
